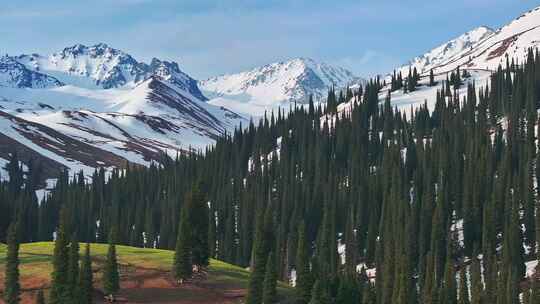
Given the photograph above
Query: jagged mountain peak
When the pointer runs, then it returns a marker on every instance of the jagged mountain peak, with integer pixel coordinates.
(102, 66)
(275, 85)
(15, 75)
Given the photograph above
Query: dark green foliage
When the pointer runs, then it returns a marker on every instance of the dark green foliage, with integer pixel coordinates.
(198, 218)
(261, 249)
(348, 291)
(319, 294)
(73, 269)
(85, 281)
(12, 287)
(270, 281)
(60, 287)
(303, 272)
(395, 188)
(111, 276)
(182, 263)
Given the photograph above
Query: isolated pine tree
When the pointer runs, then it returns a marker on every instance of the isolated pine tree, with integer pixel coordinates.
(85, 284)
(60, 285)
(111, 277)
(270, 281)
(198, 217)
(12, 288)
(182, 265)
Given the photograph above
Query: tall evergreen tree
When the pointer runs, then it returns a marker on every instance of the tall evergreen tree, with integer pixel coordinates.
(111, 276)
(303, 272)
(60, 285)
(85, 284)
(270, 281)
(259, 257)
(198, 217)
(12, 288)
(73, 269)
(182, 263)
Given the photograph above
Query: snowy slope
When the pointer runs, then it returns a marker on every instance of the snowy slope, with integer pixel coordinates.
(483, 49)
(275, 85)
(444, 53)
(88, 107)
(480, 52)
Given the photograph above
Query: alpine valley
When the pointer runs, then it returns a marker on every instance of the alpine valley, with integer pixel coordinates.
(295, 182)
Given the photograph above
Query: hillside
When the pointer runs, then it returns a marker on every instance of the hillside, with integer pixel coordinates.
(145, 276)
(480, 52)
(95, 106)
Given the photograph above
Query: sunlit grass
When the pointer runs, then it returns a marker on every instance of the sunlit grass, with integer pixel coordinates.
(35, 259)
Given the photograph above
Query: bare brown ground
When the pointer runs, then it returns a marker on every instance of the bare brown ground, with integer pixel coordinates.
(150, 286)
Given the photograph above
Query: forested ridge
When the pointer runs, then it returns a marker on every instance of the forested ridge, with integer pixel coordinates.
(422, 197)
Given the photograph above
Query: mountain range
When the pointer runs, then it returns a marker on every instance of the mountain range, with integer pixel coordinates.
(96, 106)
(276, 85)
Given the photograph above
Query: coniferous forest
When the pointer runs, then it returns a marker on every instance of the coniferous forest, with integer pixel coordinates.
(440, 206)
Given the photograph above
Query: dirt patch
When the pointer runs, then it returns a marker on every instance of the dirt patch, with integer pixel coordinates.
(505, 44)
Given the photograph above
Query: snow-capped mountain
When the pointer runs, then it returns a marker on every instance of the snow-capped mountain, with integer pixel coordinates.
(484, 49)
(275, 85)
(480, 52)
(449, 50)
(15, 75)
(88, 107)
(100, 66)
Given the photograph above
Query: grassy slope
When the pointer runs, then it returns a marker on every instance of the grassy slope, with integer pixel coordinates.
(36, 265)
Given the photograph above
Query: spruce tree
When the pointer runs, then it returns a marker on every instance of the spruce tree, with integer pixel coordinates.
(85, 284)
(111, 276)
(259, 259)
(12, 288)
(73, 268)
(198, 217)
(270, 281)
(182, 265)
(60, 285)
(303, 275)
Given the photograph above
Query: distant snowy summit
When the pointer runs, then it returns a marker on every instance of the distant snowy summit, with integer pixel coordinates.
(276, 85)
(13, 74)
(95, 106)
(101, 66)
(483, 48)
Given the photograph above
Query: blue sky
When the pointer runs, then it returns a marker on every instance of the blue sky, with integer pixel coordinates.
(210, 38)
